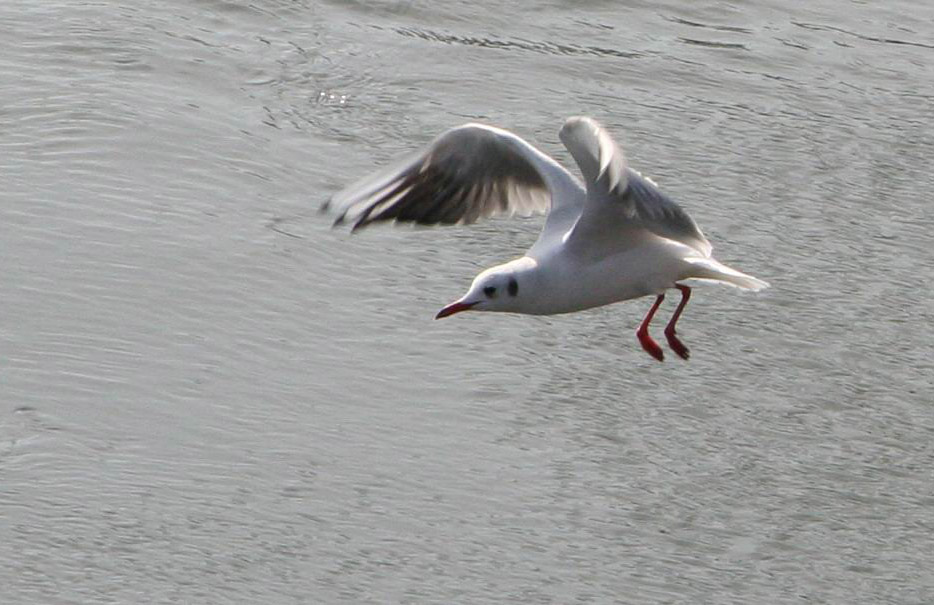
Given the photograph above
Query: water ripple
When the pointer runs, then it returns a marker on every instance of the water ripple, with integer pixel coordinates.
(831, 28)
(551, 48)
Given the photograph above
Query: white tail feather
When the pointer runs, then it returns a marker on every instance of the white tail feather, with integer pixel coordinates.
(709, 269)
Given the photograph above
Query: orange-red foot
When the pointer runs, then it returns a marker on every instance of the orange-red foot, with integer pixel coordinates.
(676, 345)
(651, 347)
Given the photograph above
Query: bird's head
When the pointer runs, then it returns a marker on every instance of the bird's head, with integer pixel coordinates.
(496, 289)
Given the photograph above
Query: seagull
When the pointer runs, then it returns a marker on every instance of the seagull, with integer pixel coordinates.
(610, 237)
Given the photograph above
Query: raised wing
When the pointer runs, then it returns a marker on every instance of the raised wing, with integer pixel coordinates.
(468, 173)
(620, 196)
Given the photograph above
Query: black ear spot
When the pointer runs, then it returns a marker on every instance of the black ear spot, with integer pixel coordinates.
(490, 291)
(513, 286)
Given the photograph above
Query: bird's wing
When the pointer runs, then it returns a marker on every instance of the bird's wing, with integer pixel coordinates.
(619, 198)
(468, 173)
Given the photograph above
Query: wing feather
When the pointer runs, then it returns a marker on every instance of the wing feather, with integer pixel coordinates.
(618, 194)
(468, 173)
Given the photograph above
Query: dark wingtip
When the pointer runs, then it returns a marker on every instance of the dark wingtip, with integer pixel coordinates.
(325, 208)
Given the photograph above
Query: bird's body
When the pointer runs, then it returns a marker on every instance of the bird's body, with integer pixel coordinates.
(613, 237)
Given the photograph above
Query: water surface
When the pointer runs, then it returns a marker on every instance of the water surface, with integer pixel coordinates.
(210, 396)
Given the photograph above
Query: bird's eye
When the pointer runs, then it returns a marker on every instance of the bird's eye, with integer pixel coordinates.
(513, 287)
(490, 291)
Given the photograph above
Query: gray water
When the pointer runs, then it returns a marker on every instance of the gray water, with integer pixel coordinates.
(209, 396)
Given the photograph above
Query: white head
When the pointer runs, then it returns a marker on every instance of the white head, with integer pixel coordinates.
(499, 288)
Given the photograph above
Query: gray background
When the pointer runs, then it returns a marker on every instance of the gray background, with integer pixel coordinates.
(208, 396)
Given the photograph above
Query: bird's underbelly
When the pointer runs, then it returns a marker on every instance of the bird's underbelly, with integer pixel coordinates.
(631, 274)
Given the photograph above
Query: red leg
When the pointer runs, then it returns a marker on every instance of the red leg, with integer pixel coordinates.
(676, 345)
(651, 347)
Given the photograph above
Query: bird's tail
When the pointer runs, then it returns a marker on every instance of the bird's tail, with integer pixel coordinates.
(708, 268)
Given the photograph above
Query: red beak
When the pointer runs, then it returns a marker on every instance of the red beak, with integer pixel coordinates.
(453, 308)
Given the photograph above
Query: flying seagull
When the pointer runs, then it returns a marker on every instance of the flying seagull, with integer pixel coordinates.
(613, 236)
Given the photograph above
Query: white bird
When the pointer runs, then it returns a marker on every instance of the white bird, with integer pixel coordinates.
(610, 238)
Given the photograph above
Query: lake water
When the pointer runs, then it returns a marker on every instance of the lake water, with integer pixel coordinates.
(209, 396)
